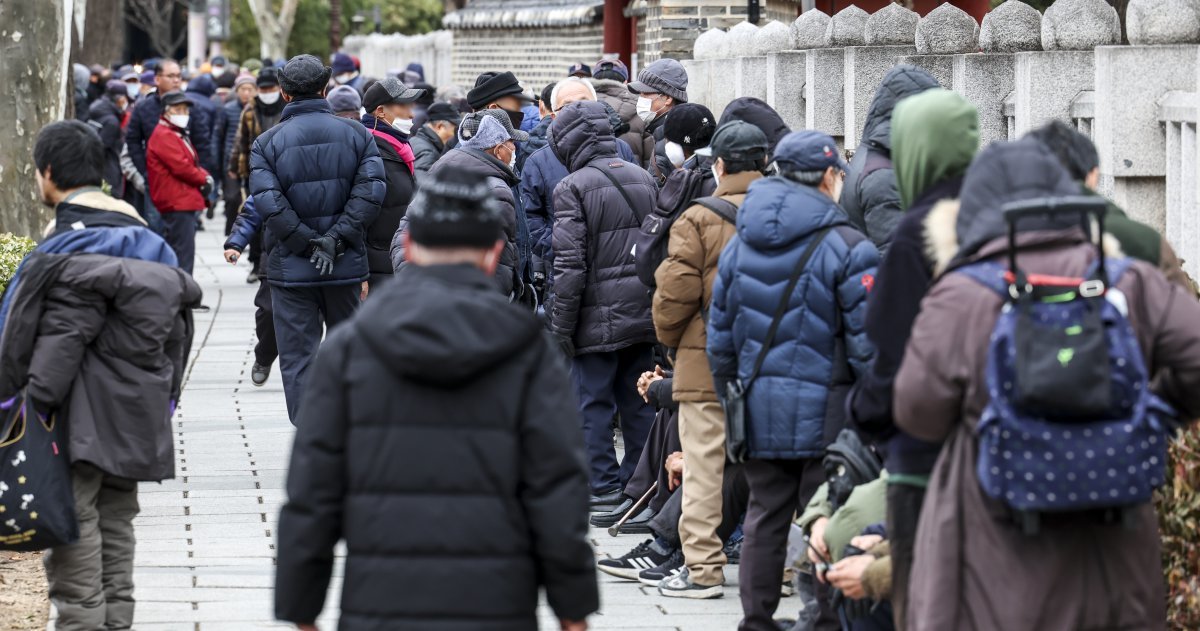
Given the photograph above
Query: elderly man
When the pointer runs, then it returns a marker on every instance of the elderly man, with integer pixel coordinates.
(660, 87)
(542, 172)
(317, 182)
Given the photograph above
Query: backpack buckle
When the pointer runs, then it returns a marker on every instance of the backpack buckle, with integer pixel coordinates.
(1014, 290)
(1091, 288)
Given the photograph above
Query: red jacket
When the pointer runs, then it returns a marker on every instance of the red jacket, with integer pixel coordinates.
(173, 171)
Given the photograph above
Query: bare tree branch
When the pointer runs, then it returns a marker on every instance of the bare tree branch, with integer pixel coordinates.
(157, 19)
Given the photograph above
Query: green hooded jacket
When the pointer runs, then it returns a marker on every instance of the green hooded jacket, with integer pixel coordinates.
(1137, 240)
(922, 159)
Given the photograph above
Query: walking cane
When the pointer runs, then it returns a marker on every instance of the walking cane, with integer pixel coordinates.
(616, 529)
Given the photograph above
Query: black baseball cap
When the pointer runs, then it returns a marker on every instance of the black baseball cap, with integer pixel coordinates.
(737, 141)
(579, 70)
(690, 124)
(442, 111)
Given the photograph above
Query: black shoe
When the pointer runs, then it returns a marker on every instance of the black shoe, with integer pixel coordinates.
(606, 502)
(733, 552)
(201, 308)
(252, 277)
(639, 524)
(259, 374)
(643, 557)
(673, 566)
(604, 520)
(199, 226)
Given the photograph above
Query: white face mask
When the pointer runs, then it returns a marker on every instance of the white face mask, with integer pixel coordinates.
(645, 109)
(344, 78)
(133, 90)
(675, 154)
(179, 120)
(217, 71)
(268, 98)
(403, 125)
(512, 161)
(716, 176)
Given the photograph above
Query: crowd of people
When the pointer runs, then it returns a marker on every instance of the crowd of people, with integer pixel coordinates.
(917, 388)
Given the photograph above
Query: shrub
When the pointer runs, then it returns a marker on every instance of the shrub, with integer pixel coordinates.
(12, 251)
(1179, 521)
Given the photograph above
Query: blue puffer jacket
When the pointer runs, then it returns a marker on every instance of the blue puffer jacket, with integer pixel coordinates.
(244, 227)
(311, 175)
(225, 128)
(796, 405)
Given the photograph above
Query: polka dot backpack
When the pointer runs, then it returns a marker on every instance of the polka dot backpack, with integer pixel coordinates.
(1071, 424)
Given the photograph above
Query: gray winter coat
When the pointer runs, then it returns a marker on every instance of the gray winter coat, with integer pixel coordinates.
(102, 340)
(870, 198)
(427, 150)
(597, 300)
(501, 180)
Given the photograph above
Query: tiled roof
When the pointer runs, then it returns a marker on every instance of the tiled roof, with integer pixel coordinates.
(524, 13)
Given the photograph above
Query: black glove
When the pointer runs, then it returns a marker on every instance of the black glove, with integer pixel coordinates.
(324, 253)
(206, 189)
(566, 346)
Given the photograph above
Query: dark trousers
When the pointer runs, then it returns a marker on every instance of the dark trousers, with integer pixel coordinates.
(662, 441)
(777, 489)
(266, 350)
(299, 313)
(735, 496)
(150, 213)
(606, 384)
(180, 233)
(231, 188)
(903, 512)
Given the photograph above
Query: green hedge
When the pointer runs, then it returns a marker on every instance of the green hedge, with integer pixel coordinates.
(12, 251)
(1179, 521)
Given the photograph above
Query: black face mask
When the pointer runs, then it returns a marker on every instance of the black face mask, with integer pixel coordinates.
(516, 116)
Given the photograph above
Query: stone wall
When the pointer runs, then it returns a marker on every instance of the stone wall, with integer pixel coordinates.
(1018, 67)
(536, 55)
(672, 26)
(381, 53)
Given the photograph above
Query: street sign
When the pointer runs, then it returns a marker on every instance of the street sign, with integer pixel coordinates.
(216, 20)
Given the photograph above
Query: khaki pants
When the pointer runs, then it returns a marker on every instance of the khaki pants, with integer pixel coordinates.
(91, 580)
(702, 434)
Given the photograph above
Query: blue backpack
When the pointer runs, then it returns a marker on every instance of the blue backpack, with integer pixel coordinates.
(1071, 424)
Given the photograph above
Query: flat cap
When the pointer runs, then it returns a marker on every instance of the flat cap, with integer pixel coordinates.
(304, 75)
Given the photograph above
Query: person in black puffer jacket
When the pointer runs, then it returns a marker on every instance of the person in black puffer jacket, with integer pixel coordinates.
(389, 106)
(317, 182)
(598, 309)
(436, 440)
(869, 198)
(105, 114)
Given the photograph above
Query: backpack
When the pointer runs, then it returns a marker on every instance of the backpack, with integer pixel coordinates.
(1071, 424)
(650, 244)
(847, 464)
(724, 209)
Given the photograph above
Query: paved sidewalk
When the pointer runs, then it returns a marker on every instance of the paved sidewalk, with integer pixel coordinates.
(206, 540)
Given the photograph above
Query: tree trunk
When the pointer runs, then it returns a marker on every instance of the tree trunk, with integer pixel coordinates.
(335, 25)
(274, 28)
(103, 33)
(35, 58)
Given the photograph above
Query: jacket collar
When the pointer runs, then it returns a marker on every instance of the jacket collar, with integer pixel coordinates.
(428, 134)
(462, 274)
(737, 183)
(307, 106)
(376, 126)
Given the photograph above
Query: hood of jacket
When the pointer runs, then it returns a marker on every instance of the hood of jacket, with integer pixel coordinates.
(91, 207)
(202, 85)
(581, 132)
(447, 325)
(1007, 172)
(777, 212)
(478, 163)
(902, 81)
(757, 113)
(934, 138)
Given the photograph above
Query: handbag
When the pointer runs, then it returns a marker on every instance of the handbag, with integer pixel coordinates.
(736, 444)
(37, 498)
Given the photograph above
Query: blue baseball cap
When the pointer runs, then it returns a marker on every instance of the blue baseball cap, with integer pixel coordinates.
(809, 150)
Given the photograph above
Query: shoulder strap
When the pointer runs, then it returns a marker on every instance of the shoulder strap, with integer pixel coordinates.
(724, 209)
(777, 319)
(620, 189)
